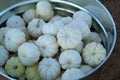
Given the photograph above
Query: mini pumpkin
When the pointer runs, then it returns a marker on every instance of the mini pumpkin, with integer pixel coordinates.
(86, 68)
(14, 67)
(35, 27)
(4, 54)
(94, 53)
(47, 45)
(70, 59)
(69, 37)
(83, 15)
(44, 10)
(52, 28)
(72, 74)
(82, 26)
(28, 54)
(14, 37)
(49, 69)
(15, 21)
(2, 34)
(31, 72)
(29, 15)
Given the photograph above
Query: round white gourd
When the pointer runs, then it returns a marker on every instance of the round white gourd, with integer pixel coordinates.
(14, 37)
(82, 26)
(29, 15)
(31, 72)
(14, 67)
(70, 59)
(93, 37)
(66, 20)
(72, 74)
(69, 37)
(78, 48)
(86, 68)
(4, 54)
(2, 34)
(44, 10)
(52, 28)
(47, 45)
(15, 21)
(49, 69)
(55, 18)
(28, 54)
(83, 15)
(93, 53)
(35, 27)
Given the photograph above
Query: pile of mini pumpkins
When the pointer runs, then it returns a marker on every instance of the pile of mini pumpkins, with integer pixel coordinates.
(42, 45)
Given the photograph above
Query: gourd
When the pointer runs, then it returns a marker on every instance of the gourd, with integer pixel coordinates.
(93, 37)
(31, 72)
(86, 68)
(2, 34)
(52, 28)
(44, 10)
(28, 54)
(47, 45)
(55, 18)
(83, 15)
(82, 26)
(72, 74)
(14, 37)
(14, 67)
(35, 27)
(29, 15)
(78, 48)
(15, 21)
(66, 20)
(93, 53)
(49, 69)
(69, 37)
(4, 54)
(70, 59)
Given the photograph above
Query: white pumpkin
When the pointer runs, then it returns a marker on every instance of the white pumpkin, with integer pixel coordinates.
(70, 59)
(31, 72)
(29, 15)
(2, 34)
(49, 69)
(69, 37)
(14, 67)
(94, 53)
(93, 37)
(82, 26)
(86, 68)
(4, 54)
(44, 10)
(47, 45)
(72, 74)
(83, 15)
(52, 28)
(15, 21)
(35, 27)
(28, 53)
(14, 37)
(55, 18)
(66, 20)
(78, 48)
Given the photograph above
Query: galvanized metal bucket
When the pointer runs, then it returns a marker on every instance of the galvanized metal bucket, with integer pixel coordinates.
(103, 21)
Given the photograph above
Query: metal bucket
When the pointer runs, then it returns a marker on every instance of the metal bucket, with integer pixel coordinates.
(102, 20)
